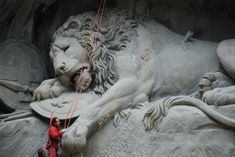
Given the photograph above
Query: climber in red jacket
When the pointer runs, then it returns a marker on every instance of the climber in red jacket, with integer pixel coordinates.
(54, 136)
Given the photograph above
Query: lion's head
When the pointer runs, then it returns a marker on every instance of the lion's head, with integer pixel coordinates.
(84, 47)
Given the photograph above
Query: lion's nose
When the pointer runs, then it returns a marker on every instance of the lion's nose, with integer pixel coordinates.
(62, 63)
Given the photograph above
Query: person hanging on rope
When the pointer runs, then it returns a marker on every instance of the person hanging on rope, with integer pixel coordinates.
(54, 136)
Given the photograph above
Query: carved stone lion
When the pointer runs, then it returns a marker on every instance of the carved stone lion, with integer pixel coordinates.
(125, 60)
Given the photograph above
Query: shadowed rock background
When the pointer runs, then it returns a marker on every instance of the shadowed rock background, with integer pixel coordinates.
(26, 29)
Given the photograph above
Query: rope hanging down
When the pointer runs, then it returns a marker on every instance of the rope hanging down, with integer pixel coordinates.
(97, 22)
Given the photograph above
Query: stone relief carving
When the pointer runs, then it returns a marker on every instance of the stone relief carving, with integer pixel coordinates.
(19, 76)
(133, 61)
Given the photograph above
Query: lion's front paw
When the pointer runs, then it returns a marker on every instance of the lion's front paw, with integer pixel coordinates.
(220, 96)
(42, 92)
(48, 89)
(74, 139)
(55, 91)
(213, 80)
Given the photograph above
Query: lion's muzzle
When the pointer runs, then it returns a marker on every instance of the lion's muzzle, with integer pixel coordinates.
(82, 79)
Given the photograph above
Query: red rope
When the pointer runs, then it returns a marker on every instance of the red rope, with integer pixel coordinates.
(97, 21)
(70, 107)
(51, 118)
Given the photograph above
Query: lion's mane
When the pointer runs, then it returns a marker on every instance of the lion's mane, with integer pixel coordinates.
(100, 40)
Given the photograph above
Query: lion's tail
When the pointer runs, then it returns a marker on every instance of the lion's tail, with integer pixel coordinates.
(155, 113)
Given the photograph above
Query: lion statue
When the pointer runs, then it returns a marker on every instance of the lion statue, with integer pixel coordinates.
(127, 61)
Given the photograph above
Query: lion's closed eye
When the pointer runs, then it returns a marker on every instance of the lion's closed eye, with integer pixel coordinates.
(73, 25)
(65, 48)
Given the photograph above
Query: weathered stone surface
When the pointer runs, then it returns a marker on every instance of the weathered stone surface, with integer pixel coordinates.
(185, 131)
(68, 105)
(22, 137)
(21, 70)
(181, 134)
(141, 62)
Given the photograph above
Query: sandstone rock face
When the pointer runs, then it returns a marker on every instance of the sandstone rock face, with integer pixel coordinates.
(21, 64)
(184, 132)
(22, 137)
(151, 62)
